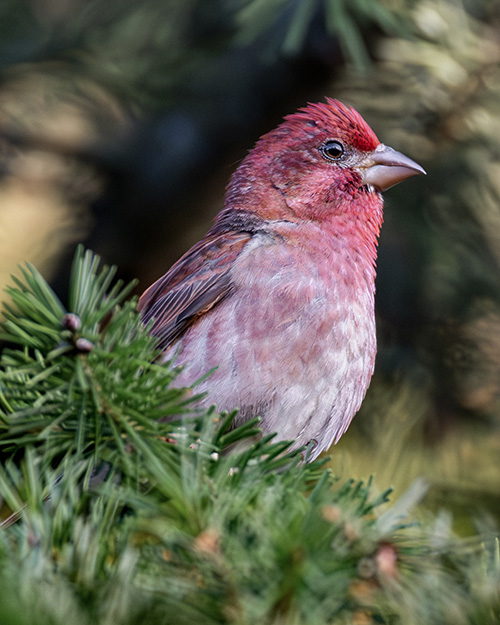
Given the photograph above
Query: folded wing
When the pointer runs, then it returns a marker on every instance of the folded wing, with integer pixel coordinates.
(195, 284)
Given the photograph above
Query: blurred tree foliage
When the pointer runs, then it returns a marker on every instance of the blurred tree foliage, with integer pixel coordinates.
(121, 121)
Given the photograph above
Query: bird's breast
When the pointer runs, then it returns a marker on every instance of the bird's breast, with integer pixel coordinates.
(294, 342)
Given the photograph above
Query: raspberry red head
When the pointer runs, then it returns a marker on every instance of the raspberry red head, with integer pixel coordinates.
(321, 161)
(339, 121)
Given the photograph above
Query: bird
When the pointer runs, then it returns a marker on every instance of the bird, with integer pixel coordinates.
(277, 300)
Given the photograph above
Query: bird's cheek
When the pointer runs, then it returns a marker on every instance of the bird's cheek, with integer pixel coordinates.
(340, 192)
(282, 179)
(290, 169)
(293, 194)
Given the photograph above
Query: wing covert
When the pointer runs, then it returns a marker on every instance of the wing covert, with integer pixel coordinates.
(194, 284)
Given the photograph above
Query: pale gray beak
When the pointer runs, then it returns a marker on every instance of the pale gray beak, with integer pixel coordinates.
(384, 167)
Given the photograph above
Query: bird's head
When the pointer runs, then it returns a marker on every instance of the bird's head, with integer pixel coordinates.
(325, 160)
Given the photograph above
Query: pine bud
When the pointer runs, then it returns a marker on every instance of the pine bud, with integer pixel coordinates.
(71, 322)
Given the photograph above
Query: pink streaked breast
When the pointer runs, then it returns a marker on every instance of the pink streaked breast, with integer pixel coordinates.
(296, 343)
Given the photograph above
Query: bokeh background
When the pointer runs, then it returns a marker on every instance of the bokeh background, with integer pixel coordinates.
(122, 120)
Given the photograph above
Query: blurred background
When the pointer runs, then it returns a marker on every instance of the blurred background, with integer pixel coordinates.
(122, 120)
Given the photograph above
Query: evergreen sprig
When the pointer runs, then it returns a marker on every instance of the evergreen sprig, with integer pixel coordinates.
(112, 515)
(80, 381)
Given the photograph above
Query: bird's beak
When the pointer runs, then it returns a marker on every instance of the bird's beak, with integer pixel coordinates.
(384, 167)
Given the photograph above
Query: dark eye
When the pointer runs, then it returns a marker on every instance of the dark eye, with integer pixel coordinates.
(332, 150)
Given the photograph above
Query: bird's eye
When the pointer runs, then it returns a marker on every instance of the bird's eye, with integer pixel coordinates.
(332, 150)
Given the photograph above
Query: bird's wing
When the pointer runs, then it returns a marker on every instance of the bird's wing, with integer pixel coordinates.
(194, 285)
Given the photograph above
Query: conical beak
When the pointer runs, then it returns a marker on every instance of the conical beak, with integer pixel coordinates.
(385, 167)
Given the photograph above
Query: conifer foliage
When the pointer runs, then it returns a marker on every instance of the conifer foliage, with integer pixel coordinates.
(112, 514)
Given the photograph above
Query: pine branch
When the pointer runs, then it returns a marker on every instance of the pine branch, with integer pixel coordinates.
(113, 516)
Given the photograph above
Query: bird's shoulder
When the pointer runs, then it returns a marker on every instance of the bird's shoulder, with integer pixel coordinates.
(200, 279)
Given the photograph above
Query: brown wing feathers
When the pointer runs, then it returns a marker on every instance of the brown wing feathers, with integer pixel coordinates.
(198, 281)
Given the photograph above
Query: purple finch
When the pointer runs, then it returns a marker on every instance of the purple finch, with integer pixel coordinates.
(279, 294)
